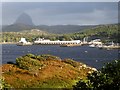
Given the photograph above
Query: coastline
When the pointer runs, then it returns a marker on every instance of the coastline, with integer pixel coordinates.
(8, 42)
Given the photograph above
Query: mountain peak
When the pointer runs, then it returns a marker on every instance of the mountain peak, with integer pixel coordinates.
(24, 18)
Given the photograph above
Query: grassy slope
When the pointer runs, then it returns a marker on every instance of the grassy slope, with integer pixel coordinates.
(53, 74)
(102, 31)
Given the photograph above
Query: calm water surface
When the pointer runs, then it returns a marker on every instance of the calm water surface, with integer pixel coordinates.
(91, 56)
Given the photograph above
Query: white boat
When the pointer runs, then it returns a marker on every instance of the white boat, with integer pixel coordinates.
(92, 45)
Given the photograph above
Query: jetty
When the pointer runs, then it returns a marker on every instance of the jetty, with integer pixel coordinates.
(70, 45)
(110, 47)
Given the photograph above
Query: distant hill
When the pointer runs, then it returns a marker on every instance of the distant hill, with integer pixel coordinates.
(16, 28)
(62, 29)
(34, 32)
(24, 22)
(24, 18)
(57, 29)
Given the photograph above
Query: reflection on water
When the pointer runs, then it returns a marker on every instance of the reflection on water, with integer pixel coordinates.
(92, 56)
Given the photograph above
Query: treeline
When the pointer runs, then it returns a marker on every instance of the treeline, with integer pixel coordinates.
(16, 36)
(104, 32)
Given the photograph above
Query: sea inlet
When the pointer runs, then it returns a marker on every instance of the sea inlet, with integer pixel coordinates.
(93, 57)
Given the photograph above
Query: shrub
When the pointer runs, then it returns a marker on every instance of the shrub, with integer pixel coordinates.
(28, 63)
(107, 78)
(31, 56)
(49, 57)
(71, 62)
(32, 62)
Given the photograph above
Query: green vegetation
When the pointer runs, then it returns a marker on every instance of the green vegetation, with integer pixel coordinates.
(106, 79)
(29, 35)
(105, 32)
(71, 62)
(43, 71)
(33, 62)
(47, 71)
(3, 84)
(28, 63)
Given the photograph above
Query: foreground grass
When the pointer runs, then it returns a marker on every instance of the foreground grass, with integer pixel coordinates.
(44, 71)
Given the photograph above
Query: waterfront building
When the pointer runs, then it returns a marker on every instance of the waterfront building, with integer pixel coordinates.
(58, 42)
(23, 42)
(96, 42)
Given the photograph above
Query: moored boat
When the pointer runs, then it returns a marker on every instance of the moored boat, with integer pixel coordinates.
(92, 45)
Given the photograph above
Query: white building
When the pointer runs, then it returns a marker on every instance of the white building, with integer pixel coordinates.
(23, 40)
(47, 41)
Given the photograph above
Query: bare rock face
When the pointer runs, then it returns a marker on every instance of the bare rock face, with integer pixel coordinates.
(24, 19)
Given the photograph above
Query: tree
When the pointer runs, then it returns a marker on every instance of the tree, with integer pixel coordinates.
(108, 78)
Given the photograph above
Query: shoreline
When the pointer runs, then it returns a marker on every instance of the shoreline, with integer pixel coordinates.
(66, 45)
(8, 42)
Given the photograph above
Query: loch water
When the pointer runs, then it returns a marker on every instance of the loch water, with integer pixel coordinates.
(94, 57)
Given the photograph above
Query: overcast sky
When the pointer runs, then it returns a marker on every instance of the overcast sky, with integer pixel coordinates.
(54, 13)
(59, 0)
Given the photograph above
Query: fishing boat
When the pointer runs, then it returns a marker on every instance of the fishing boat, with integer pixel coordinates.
(92, 45)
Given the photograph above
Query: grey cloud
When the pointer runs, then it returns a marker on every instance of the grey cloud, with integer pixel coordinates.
(62, 13)
(60, 0)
